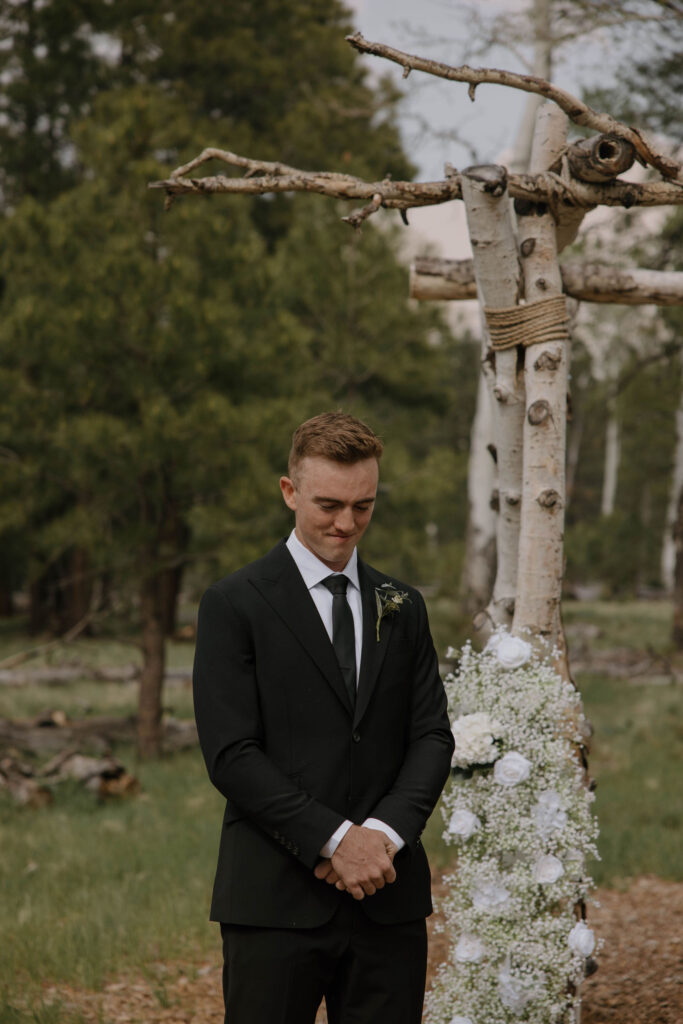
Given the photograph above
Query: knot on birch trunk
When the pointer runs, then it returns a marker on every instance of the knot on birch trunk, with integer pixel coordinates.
(550, 499)
(502, 394)
(538, 412)
(548, 361)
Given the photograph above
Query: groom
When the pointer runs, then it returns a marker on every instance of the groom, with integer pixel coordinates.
(323, 723)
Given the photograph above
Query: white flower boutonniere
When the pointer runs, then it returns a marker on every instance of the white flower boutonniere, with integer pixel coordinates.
(389, 600)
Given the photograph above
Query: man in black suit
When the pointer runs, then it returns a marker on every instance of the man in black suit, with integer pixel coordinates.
(323, 723)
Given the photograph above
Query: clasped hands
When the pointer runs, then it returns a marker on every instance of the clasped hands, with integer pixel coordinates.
(361, 864)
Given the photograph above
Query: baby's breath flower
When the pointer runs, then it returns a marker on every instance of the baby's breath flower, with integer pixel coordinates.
(524, 831)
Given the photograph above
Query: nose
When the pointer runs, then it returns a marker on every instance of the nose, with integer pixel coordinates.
(343, 521)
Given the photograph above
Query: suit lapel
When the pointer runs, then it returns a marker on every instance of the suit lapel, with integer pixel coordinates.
(282, 586)
(374, 650)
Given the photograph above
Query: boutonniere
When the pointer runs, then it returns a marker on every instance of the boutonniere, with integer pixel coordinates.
(389, 600)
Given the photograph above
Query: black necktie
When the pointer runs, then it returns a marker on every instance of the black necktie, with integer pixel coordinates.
(343, 633)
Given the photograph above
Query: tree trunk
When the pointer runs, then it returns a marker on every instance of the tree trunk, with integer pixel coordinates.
(543, 56)
(6, 602)
(479, 565)
(153, 667)
(669, 545)
(612, 449)
(170, 581)
(75, 588)
(496, 266)
(546, 377)
(575, 435)
(677, 631)
(39, 605)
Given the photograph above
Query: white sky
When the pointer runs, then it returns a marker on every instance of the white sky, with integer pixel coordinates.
(432, 107)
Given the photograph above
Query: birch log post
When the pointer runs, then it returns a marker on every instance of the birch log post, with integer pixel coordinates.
(497, 271)
(546, 377)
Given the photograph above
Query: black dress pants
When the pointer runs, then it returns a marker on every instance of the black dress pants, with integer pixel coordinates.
(367, 973)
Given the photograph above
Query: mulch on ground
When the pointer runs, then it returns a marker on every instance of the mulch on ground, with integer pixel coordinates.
(639, 980)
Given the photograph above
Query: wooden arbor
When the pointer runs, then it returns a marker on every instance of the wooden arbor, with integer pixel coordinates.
(516, 276)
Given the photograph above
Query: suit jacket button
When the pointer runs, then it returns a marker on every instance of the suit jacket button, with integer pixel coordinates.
(356, 737)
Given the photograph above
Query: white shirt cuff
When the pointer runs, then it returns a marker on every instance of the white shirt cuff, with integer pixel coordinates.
(335, 839)
(374, 823)
(381, 826)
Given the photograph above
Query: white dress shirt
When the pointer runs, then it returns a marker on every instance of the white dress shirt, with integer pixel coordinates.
(313, 572)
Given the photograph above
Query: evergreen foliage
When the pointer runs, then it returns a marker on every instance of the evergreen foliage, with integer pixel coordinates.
(155, 364)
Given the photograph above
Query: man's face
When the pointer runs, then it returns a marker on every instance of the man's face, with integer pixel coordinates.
(332, 504)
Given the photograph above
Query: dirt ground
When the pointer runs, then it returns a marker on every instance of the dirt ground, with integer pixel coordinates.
(639, 980)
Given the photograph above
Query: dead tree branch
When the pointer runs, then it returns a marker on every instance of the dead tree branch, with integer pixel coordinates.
(575, 109)
(60, 641)
(262, 177)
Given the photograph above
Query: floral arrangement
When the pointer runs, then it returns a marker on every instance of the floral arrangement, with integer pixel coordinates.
(388, 600)
(518, 811)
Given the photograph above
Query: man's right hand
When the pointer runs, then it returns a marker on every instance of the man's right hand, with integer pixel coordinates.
(362, 863)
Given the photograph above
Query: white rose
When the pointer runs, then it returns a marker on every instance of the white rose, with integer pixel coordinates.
(463, 823)
(511, 769)
(515, 991)
(474, 737)
(549, 813)
(548, 869)
(512, 651)
(493, 641)
(469, 949)
(582, 939)
(490, 897)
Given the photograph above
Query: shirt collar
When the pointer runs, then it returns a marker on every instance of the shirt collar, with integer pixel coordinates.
(313, 570)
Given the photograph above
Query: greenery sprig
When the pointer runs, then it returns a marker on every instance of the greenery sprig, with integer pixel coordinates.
(389, 600)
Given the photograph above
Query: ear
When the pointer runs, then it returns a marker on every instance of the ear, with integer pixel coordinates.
(288, 492)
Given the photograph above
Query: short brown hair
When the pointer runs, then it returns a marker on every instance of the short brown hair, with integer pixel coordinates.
(336, 436)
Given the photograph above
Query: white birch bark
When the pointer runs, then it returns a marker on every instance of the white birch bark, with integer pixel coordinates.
(480, 542)
(612, 452)
(668, 562)
(436, 278)
(543, 51)
(546, 378)
(496, 267)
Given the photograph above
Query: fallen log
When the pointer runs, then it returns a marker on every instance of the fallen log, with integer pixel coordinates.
(50, 734)
(62, 675)
(33, 787)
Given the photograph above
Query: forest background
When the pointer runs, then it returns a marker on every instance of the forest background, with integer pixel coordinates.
(153, 366)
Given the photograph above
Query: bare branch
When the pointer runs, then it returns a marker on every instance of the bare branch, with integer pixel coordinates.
(263, 177)
(356, 218)
(65, 638)
(577, 111)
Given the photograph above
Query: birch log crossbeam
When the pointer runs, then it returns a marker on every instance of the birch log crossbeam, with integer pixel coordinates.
(264, 177)
(436, 278)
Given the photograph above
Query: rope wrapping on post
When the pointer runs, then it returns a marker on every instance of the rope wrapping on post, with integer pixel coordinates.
(533, 324)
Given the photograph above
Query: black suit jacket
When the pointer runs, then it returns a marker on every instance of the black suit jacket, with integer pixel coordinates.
(282, 744)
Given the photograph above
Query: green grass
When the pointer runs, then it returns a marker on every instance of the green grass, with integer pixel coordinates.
(88, 890)
(642, 624)
(637, 761)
